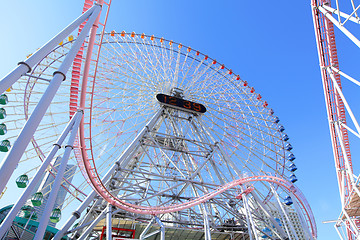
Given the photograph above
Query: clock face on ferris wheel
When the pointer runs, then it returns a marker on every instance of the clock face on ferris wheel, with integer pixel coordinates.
(180, 103)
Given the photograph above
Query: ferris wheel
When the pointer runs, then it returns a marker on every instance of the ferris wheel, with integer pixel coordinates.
(167, 136)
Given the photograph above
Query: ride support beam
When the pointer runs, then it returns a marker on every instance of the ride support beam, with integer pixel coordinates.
(336, 104)
(88, 230)
(109, 222)
(39, 174)
(143, 235)
(13, 157)
(329, 16)
(57, 182)
(26, 66)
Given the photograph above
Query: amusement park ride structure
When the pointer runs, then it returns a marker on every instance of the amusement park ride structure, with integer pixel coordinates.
(328, 18)
(163, 134)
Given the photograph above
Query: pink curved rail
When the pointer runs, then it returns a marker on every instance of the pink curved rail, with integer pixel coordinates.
(156, 210)
(79, 145)
(84, 150)
(99, 187)
(93, 176)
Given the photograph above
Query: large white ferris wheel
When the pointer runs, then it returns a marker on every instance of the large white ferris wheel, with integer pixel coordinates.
(162, 140)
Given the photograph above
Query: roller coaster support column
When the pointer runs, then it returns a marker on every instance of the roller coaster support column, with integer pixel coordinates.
(108, 222)
(249, 220)
(76, 214)
(57, 182)
(91, 225)
(12, 159)
(39, 174)
(162, 229)
(207, 233)
(26, 66)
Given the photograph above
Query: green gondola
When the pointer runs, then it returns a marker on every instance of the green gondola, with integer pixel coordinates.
(2, 113)
(5, 146)
(3, 99)
(37, 199)
(22, 181)
(3, 129)
(28, 212)
(55, 215)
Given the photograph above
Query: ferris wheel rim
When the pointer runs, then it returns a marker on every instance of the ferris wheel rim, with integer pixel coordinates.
(210, 59)
(90, 168)
(228, 71)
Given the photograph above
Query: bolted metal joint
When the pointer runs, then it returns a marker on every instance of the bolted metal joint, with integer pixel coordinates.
(118, 168)
(76, 214)
(58, 145)
(98, 4)
(61, 73)
(24, 63)
(69, 146)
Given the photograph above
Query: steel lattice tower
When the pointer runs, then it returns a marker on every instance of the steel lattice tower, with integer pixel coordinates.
(329, 18)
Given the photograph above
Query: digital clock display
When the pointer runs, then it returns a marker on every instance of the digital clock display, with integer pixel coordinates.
(181, 103)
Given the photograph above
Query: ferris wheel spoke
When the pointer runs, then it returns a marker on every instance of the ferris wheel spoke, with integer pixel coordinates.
(251, 151)
(247, 136)
(145, 69)
(134, 67)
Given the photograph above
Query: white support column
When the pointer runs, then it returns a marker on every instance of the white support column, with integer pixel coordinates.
(57, 182)
(339, 91)
(348, 168)
(85, 234)
(13, 157)
(249, 218)
(334, 69)
(109, 222)
(337, 230)
(207, 233)
(338, 25)
(143, 234)
(76, 214)
(26, 66)
(39, 174)
(248, 221)
(162, 228)
(342, 14)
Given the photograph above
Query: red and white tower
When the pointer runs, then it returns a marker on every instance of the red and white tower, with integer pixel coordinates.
(339, 16)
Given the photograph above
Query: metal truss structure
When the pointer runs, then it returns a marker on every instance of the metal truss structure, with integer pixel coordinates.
(340, 17)
(171, 142)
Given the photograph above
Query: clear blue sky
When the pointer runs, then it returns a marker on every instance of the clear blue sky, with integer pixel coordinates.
(271, 44)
